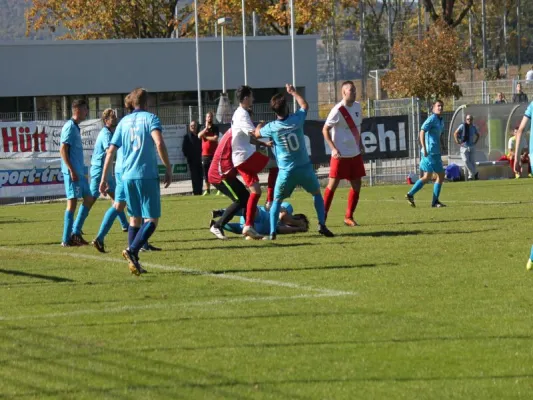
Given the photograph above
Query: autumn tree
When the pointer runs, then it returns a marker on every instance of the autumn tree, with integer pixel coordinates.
(102, 19)
(448, 12)
(425, 68)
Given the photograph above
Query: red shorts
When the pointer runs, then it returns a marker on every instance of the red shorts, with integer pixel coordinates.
(251, 167)
(347, 168)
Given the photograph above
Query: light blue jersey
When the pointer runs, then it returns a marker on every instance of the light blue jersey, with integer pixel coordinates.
(433, 127)
(71, 135)
(262, 218)
(289, 140)
(134, 137)
(100, 151)
(118, 162)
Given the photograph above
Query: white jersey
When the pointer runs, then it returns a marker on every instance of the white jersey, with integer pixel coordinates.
(529, 75)
(341, 134)
(241, 125)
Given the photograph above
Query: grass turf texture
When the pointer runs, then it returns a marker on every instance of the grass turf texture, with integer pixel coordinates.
(414, 303)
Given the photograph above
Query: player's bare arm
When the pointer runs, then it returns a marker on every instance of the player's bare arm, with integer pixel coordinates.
(327, 137)
(422, 138)
(66, 159)
(302, 103)
(163, 155)
(110, 156)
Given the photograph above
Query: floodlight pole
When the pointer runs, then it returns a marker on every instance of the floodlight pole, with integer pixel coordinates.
(292, 53)
(244, 43)
(200, 111)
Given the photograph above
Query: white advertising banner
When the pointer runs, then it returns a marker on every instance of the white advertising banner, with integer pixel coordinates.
(30, 177)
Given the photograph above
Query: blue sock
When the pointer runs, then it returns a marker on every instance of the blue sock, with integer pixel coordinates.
(436, 192)
(274, 215)
(80, 219)
(319, 207)
(531, 254)
(107, 223)
(67, 225)
(419, 184)
(123, 219)
(132, 232)
(233, 227)
(142, 237)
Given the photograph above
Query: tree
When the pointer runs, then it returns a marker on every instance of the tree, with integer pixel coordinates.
(102, 19)
(426, 68)
(447, 11)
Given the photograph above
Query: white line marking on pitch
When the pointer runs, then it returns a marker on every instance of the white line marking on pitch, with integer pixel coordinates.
(267, 282)
(455, 201)
(169, 306)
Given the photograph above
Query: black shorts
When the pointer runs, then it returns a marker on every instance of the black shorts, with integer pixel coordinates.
(206, 163)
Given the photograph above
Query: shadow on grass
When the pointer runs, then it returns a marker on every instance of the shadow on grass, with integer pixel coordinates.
(381, 233)
(325, 268)
(36, 276)
(499, 219)
(17, 221)
(229, 246)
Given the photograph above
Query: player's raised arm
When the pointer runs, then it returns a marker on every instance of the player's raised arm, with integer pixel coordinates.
(299, 98)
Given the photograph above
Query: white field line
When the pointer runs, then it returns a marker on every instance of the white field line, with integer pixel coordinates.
(168, 306)
(454, 201)
(258, 281)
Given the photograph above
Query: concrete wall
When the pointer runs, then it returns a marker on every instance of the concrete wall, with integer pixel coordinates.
(47, 68)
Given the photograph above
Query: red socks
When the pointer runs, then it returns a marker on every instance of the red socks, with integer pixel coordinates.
(251, 208)
(353, 199)
(272, 176)
(328, 198)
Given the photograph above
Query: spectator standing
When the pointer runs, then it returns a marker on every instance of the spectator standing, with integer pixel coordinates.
(500, 98)
(519, 96)
(192, 150)
(209, 137)
(466, 136)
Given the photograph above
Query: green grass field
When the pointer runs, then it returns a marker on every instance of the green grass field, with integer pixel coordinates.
(413, 304)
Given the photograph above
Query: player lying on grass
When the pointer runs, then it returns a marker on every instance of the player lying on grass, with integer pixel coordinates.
(288, 222)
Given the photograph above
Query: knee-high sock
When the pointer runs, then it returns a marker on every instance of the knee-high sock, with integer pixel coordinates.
(123, 219)
(83, 212)
(67, 225)
(353, 199)
(142, 237)
(328, 198)
(419, 184)
(107, 223)
(531, 254)
(251, 208)
(319, 208)
(436, 192)
(272, 176)
(274, 215)
(132, 232)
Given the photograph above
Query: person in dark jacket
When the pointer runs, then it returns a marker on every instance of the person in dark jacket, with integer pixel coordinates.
(192, 150)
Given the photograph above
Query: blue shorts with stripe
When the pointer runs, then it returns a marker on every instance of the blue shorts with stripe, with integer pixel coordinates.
(143, 197)
(432, 163)
(287, 181)
(76, 190)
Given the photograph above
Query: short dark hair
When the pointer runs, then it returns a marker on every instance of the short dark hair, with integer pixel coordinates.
(439, 101)
(278, 104)
(348, 83)
(242, 92)
(79, 103)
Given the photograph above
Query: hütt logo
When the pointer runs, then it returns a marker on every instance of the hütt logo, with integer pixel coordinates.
(21, 139)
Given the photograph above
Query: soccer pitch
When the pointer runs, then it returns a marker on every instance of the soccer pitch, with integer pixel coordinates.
(416, 303)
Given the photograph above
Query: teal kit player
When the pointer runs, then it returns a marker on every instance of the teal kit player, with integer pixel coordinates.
(103, 140)
(290, 150)
(430, 156)
(517, 167)
(139, 134)
(73, 169)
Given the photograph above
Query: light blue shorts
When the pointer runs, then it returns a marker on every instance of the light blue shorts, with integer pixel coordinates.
(76, 190)
(432, 163)
(287, 181)
(120, 195)
(143, 197)
(95, 185)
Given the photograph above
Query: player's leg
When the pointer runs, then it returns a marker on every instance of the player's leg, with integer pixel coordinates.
(309, 181)
(437, 187)
(271, 183)
(237, 192)
(72, 201)
(335, 176)
(285, 184)
(426, 167)
(107, 222)
(149, 190)
(83, 212)
(357, 171)
(206, 163)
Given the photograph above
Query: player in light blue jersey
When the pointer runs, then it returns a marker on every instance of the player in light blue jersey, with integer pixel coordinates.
(73, 169)
(109, 118)
(431, 161)
(139, 135)
(517, 167)
(295, 168)
(288, 222)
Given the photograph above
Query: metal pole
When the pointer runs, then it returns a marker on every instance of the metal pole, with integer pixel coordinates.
(419, 20)
(244, 43)
(518, 33)
(200, 111)
(471, 43)
(389, 30)
(223, 72)
(362, 44)
(334, 42)
(505, 40)
(292, 52)
(254, 23)
(484, 32)
(328, 59)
